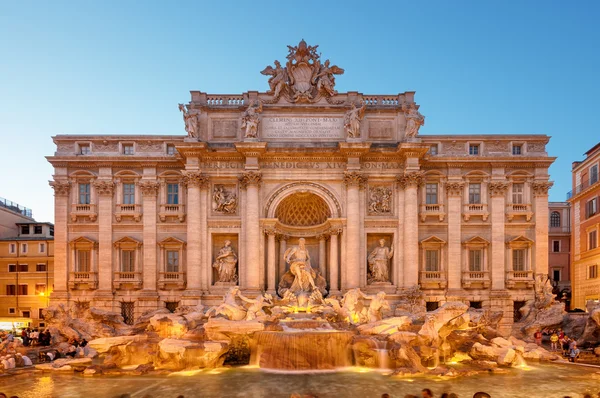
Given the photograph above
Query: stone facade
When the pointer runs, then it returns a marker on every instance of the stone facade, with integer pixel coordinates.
(264, 169)
(559, 245)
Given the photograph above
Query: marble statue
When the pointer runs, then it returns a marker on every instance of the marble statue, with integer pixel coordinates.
(255, 309)
(379, 262)
(229, 308)
(190, 118)
(380, 200)
(251, 119)
(225, 202)
(325, 79)
(278, 79)
(378, 306)
(352, 121)
(414, 120)
(301, 279)
(225, 264)
(352, 306)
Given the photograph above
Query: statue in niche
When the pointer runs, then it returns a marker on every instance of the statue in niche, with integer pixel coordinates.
(278, 80)
(379, 263)
(225, 264)
(302, 280)
(414, 120)
(325, 79)
(225, 202)
(251, 118)
(380, 200)
(352, 121)
(190, 118)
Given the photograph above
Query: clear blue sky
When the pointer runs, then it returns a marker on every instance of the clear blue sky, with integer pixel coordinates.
(478, 67)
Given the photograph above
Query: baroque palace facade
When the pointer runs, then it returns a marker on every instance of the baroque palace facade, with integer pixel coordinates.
(149, 221)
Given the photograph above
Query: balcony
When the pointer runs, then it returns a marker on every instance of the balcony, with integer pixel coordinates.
(167, 210)
(432, 210)
(171, 280)
(559, 230)
(518, 279)
(127, 280)
(83, 280)
(134, 211)
(518, 210)
(475, 209)
(433, 280)
(476, 279)
(582, 187)
(83, 210)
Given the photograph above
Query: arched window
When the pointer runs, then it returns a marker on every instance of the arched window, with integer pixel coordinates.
(555, 219)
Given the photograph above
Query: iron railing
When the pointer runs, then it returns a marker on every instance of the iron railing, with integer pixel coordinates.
(17, 208)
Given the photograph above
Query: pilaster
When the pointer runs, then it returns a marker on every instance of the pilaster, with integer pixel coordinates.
(497, 190)
(250, 181)
(61, 239)
(105, 190)
(454, 190)
(411, 181)
(149, 190)
(354, 182)
(540, 203)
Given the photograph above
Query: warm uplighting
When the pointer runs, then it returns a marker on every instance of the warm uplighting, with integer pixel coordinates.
(42, 294)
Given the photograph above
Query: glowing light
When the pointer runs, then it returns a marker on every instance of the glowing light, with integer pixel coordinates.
(42, 294)
(186, 373)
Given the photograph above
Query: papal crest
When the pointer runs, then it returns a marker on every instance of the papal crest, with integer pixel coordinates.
(304, 78)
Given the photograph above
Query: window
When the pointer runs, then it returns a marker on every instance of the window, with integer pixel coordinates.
(517, 149)
(170, 149)
(474, 149)
(11, 290)
(594, 174)
(173, 194)
(127, 149)
(432, 260)
(23, 290)
(128, 194)
(26, 314)
(51, 231)
(556, 246)
(41, 313)
(83, 260)
(592, 240)
(12, 310)
(41, 268)
(475, 304)
(475, 193)
(555, 219)
(433, 149)
(519, 259)
(40, 289)
(432, 306)
(127, 261)
(591, 207)
(12, 249)
(42, 248)
(127, 312)
(475, 260)
(171, 305)
(23, 267)
(172, 261)
(12, 267)
(593, 271)
(23, 248)
(556, 275)
(84, 194)
(431, 194)
(84, 149)
(24, 229)
(37, 229)
(518, 192)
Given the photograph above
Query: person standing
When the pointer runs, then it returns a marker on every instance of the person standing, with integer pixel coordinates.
(554, 341)
(538, 337)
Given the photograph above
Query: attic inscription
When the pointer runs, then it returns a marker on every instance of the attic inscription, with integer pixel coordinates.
(302, 127)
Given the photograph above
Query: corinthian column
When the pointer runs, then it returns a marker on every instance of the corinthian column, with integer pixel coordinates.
(194, 181)
(149, 191)
(455, 190)
(411, 182)
(105, 190)
(333, 262)
(282, 248)
(61, 214)
(271, 259)
(322, 254)
(354, 182)
(540, 196)
(251, 182)
(498, 191)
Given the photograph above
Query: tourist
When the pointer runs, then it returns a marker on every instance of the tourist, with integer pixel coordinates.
(573, 352)
(554, 342)
(426, 393)
(565, 346)
(25, 337)
(34, 337)
(26, 360)
(538, 337)
(72, 350)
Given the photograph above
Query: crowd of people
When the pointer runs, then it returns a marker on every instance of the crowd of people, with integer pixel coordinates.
(30, 337)
(559, 341)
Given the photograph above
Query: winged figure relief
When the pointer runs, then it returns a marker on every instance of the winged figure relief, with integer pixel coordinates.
(279, 78)
(324, 77)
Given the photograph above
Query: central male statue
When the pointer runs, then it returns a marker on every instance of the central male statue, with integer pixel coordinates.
(301, 278)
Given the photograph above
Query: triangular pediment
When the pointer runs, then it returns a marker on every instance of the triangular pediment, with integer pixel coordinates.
(433, 240)
(82, 239)
(476, 240)
(171, 241)
(520, 241)
(127, 240)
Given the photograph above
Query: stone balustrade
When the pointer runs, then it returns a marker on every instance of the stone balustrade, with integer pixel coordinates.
(518, 209)
(171, 210)
(171, 280)
(432, 210)
(475, 209)
(127, 279)
(476, 279)
(83, 280)
(84, 210)
(128, 210)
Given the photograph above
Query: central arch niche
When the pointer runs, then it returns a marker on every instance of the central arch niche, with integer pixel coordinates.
(302, 209)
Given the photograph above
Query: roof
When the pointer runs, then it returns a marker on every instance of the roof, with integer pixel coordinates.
(593, 149)
(25, 238)
(35, 223)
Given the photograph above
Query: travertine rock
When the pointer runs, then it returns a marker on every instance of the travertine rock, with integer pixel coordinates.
(168, 325)
(447, 314)
(220, 329)
(104, 344)
(176, 354)
(387, 326)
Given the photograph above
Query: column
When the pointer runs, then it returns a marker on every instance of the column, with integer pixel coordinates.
(354, 182)
(149, 190)
(193, 180)
(282, 248)
(205, 260)
(412, 181)
(271, 259)
(497, 190)
(455, 190)
(540, 204)
(323, 254)
(105, 190)
(399, 254)
(61, 238)
(333, 261)
(251, 182)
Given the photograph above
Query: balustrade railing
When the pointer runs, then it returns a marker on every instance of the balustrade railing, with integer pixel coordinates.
(225, 100)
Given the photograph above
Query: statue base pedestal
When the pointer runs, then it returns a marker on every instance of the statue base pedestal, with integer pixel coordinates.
(220, 288)
(377, 287)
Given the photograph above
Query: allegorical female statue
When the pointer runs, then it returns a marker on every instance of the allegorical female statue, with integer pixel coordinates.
(225, 264)
(302, 278)
(190, 118)
(379, 262)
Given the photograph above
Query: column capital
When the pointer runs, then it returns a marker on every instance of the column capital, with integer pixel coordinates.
(250, 178)
(410, 179)
(270, 231)
(194, 179)
(322, 237)
(334, 231)
(61, 188)
(282, 237)
(104, 187)
(541, 188)
(354, 178)
(149, 188)
(498, 188)
(455, 188)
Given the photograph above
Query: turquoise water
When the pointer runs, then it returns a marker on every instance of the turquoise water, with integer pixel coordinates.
(550, 380)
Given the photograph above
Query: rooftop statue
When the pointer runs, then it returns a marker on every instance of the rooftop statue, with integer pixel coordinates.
(190, 118)
(352, 121)
(251, 118)
(414, 121)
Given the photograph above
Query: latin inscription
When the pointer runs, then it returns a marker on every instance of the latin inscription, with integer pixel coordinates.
(302, 127)
(303, 165)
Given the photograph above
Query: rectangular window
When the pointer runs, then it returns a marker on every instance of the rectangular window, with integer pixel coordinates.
(51, 231)
(432, 260)
(26, 314)
(12, 267)
(84, 194)
(40, 289)
(517, 149)
(518, 259)
(12, 249)
(127, 261)
(128, 194)
(591, 207)
(431, 306)
(475, 194)
(172, 261)
(594, 174)
(83, 261)
(37, 229)
(556, 246)
(24, 248)
(592, 240)
(24, 229)
(517, 315)
(433, 149)
(173, 194)
(127, 312)
(593, 271)
(23, 291)
(84, 149)
(518, 193)
(40, 268)
(431, 194)
(12, 310)
(127, 149)
(42, 248)
(23, 267)
(41, 313)
(475, 260)
(11, 290)
(474, 149)
(170, 149)
(475, 304)
(556, 275)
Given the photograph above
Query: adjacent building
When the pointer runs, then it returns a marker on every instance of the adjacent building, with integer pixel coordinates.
(585, 229)
(150, 221)
(559, 245)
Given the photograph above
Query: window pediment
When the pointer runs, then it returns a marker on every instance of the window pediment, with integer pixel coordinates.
(83, 242)
(171, 242)
(520, 241)
(127, 242)
(476, 241)
(432, 242)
